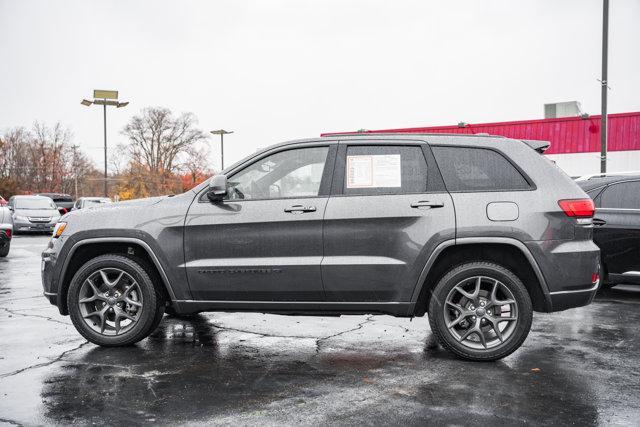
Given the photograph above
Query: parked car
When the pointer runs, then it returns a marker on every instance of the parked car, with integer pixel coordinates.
(6, 230)
(3, 202)
(476, 231)
(64, 202)
(88, 202)
(33, 214)
(616, 224)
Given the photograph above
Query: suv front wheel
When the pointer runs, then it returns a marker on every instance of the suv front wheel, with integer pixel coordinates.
(480, 311)
(113, 302)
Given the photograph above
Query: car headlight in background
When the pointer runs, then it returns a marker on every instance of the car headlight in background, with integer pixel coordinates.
(58, 229)
(20, 218)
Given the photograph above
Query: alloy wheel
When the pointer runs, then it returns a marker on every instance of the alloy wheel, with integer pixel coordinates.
(110, 301)
(480, 312)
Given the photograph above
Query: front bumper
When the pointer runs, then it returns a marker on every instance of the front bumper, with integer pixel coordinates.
(47, 270)
(28, 226)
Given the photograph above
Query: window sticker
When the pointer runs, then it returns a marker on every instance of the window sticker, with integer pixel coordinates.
(374, 171)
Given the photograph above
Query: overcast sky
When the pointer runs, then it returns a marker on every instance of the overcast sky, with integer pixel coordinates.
(286, 69)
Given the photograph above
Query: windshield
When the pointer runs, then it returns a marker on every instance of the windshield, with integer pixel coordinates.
(35, 204)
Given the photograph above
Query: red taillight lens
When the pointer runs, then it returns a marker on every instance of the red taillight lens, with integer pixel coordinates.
(595, 277)
(577, 208)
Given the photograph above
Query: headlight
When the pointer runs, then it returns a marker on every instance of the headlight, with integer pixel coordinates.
(20, 218)
(58, 229)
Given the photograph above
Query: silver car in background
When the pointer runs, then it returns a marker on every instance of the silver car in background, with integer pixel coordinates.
(90, 202)
(33, 214)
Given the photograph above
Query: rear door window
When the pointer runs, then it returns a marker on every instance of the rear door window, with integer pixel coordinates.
(467, 169)
(384, 169)
(624, 195)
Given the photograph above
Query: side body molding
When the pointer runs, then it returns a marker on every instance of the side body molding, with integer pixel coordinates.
(140, 242)
(480, 240)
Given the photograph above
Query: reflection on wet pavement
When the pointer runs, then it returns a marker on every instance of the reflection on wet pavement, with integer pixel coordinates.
(576, 367)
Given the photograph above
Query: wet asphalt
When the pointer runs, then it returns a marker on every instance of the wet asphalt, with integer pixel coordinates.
(580, 366)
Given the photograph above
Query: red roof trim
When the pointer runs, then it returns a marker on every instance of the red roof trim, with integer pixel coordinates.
(566, 134)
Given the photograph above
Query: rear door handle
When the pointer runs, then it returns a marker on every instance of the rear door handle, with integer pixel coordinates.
(300, 209)
(427, 204)
(599, 222)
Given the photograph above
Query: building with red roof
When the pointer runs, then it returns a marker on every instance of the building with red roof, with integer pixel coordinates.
(575, 141)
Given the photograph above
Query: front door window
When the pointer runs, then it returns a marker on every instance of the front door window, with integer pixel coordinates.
(288, 174)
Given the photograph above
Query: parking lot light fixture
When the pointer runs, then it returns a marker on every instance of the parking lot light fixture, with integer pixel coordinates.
(222, 133)
(104, 98)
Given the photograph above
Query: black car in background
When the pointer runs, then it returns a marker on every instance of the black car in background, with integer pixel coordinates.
(616, 224)
(64, 202)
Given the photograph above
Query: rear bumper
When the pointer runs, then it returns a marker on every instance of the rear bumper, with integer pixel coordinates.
(564, 300)
(568, 268)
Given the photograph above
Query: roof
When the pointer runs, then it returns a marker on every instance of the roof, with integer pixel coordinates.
(594, 182)
(566, 134)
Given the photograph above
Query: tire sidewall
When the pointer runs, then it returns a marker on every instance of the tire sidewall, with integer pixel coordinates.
(149, 298)
(510, 280)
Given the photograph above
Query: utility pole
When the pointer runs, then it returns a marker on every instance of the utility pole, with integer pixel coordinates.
(605, 87)
(75, 170)
(222, 133)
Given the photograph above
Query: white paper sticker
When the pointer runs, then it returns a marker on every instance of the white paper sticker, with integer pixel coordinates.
(374, 171)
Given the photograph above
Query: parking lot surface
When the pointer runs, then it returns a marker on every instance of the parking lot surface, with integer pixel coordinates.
(580, 367)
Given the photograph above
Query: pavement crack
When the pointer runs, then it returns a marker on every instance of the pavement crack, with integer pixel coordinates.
(20, 299)
(262, 334)
(50, 362)
(359, 326)
(50, 319)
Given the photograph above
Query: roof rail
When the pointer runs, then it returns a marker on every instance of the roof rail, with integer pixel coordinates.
(606, 174)
(373, 132)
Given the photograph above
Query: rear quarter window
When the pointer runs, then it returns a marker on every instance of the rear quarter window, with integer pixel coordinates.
(467, 169)
(623, 195)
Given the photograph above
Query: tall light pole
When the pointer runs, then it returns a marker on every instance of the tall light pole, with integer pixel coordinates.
(222, 133)
(605, 86)
(104, 98)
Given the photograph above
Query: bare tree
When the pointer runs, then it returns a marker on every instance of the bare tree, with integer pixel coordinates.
(158, 138)
(40, 160)
(196, 163)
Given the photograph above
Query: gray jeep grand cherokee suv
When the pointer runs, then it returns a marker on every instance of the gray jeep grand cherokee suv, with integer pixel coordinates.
(476, 231)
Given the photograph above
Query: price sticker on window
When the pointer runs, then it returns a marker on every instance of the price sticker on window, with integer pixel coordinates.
(374, 171)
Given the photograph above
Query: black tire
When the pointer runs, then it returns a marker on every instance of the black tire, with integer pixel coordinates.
(604, 277)
(151, 311)
(4, 250)
(490, 272)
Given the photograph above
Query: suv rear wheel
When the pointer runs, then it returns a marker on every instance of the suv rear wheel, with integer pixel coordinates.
(112, 301)
(480, 311)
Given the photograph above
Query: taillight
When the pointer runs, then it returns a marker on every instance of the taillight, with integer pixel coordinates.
(7, 232)
(577, 208)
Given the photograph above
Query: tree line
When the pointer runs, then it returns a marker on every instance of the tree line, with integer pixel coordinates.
(166, 153)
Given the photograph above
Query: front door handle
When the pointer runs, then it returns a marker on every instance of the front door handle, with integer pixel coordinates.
(599, 222)
(427, 204)
(300, 209)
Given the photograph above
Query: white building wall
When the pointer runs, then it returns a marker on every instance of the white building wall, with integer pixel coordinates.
(576, 164)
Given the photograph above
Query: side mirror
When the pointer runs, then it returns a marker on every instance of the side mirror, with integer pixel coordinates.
(217, 188)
